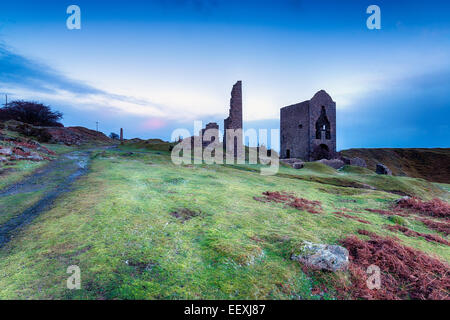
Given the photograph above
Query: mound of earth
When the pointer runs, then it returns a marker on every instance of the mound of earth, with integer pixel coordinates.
(430, 164)
(62, 135)
(150, 144)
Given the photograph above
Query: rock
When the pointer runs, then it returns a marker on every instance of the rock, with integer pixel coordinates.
(35, 157)
(322, 256)
(346, 160)
(6, 151)
(354, 161)
(334, 163)
(382, 169)
(402, 200)
(358, 162)
(293, 162)
(298, 165)
(17, 157)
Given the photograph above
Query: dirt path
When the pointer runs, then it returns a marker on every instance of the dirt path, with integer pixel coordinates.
(56, 179)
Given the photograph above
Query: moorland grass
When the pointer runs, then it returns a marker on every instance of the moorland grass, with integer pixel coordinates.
(117, 226)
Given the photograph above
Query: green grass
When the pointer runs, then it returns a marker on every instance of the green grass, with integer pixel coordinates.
(14, 173)
(59, 148)
(116, 225)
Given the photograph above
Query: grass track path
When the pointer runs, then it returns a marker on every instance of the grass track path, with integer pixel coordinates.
(56, 178)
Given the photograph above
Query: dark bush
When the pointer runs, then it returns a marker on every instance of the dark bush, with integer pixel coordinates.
(31, 112)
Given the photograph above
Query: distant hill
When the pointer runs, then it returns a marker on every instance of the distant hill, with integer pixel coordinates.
(430, 164)
(150, 144)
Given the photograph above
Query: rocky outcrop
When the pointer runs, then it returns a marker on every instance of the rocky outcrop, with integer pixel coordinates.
(294, 163)
(382, 169)
(5, 151)
(13, 148)
(358, 162)
(322, 256)
(334, 163)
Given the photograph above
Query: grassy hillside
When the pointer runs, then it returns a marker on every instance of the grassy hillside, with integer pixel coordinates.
(140, 227)
(429, 164)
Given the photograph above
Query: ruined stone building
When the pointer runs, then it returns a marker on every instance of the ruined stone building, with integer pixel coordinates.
(213, 130)
(234, 121)
(308, 129)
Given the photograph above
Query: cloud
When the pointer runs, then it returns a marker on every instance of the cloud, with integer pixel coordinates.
(23, 75)
(153, 124)
(411, 112)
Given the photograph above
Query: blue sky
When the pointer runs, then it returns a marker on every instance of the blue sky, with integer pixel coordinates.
(153, 66)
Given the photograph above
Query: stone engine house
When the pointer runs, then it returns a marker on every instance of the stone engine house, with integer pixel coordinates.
(308, 129)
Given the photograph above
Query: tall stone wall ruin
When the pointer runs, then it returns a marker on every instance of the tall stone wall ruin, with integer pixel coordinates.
(233, 135)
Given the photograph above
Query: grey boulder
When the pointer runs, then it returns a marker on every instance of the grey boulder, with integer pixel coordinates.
(334, 163)
(322, 256)
(382, 169)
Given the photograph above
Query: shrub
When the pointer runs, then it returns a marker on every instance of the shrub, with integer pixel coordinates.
(31, 112)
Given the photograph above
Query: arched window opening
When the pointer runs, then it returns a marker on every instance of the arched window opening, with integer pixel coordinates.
(323, 125)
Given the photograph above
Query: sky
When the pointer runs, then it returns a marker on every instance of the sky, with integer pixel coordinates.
(153, 66)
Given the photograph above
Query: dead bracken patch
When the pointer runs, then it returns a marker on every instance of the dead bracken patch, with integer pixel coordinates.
(291, 201)
(184, 214)
(443, 227)
(433, 208)
(344, 215)
(411, 233)
(406, 273)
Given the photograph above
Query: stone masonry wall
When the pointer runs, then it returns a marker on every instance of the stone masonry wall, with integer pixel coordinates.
(294, 132)
(298, 127)
(234, 121)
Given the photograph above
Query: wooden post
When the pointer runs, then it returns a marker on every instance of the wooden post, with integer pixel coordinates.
(121, 135)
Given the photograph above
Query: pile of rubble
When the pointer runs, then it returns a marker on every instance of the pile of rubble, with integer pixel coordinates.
(336, 163)
(14, 149)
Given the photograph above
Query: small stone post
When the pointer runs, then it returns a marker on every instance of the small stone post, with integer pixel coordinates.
(121, 135)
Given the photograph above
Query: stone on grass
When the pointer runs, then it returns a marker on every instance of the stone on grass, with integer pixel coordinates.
(402, 200)
(293, 162)
(382, 169)
(298, 165)
(334, 163)
(6, 151)
(322, 256)
(358, 162)
(35, 157)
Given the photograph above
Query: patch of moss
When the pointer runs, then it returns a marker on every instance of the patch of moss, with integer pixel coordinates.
(398, 220)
